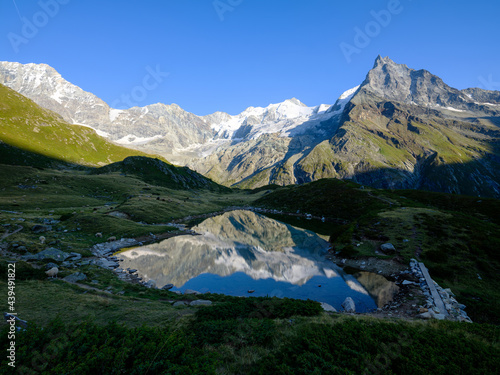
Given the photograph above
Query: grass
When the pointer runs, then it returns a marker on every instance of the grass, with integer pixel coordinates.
(27, 126)
(41, 302)
(458, 237)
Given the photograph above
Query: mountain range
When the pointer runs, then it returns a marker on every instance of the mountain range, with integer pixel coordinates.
(400, 128)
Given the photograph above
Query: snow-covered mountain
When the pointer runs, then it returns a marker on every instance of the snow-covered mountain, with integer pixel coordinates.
(401, 128)
(160, 128)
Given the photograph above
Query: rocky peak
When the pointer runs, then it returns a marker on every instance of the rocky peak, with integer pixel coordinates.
(397, 82)
(483, 96)
(295, 101)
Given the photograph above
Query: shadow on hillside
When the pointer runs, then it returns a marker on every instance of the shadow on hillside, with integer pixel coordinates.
(149, 170)
(479, 178)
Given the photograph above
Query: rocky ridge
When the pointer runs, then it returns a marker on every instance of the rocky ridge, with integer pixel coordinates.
(401, 128)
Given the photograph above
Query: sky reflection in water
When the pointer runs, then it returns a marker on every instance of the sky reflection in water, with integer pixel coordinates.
(242, 250)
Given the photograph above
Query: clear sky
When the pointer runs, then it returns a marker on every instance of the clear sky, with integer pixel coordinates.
(210, 55)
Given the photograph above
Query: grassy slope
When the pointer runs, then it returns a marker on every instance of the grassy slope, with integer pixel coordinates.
(381, 148)
(459, 236)
(157, 172)
(220, 342)
(29, 127)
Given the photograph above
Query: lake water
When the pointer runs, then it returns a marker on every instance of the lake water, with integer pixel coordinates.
(241, 251)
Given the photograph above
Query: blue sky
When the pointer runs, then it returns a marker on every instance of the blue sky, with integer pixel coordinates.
(226, 55)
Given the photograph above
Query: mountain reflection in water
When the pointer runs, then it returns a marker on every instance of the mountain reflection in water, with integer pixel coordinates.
(242, 250)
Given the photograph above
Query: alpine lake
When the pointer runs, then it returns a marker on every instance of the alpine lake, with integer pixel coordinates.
(244, 253)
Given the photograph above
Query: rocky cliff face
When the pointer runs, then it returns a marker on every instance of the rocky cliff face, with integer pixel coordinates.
(165, 127)
(401, 128)
(407, 129)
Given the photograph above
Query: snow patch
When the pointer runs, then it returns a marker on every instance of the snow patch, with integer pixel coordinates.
(454, 109)
(349, 93)
(131, 139)
(114, 113)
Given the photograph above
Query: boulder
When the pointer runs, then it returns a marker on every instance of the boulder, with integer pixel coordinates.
(349, 305)
(179, 303)
(167, 287)
(431, 315)
(75, 277)
(104, 263)
(150, 284)
(38, 228)
(388, 248)
(407, 282)
(50, 265)
(327, 307)
(75, 257)
(426, 315)
(190, 291)
(51, 253)
(200, 302)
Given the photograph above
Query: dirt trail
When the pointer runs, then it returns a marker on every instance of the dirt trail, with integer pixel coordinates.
(7, 234)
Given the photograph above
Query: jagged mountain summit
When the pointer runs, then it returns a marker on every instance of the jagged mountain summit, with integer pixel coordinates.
(164, 129)
(401, 128)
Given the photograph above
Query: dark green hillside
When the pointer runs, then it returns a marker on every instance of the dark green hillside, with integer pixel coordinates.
(157, 172)
(29, 127)
(458, 237)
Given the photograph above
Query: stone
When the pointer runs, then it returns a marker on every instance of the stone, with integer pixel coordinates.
(388, 248)
(190, 291)
(448, 290)
(349, 305)
(425, 315)
(75, 257)
(200, 302)
(407, 282)
(52, 253)
(327, 307)
(167, 287)
(179, 303)
(50, 265)
(150, 284)
(38, 228)
(75, 277)
(439, 316)
(104, 263)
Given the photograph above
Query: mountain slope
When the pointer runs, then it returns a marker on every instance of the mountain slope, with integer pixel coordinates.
(26, 126)
(401, 128)
(157, 172)
(166, 127)
(407, 129)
